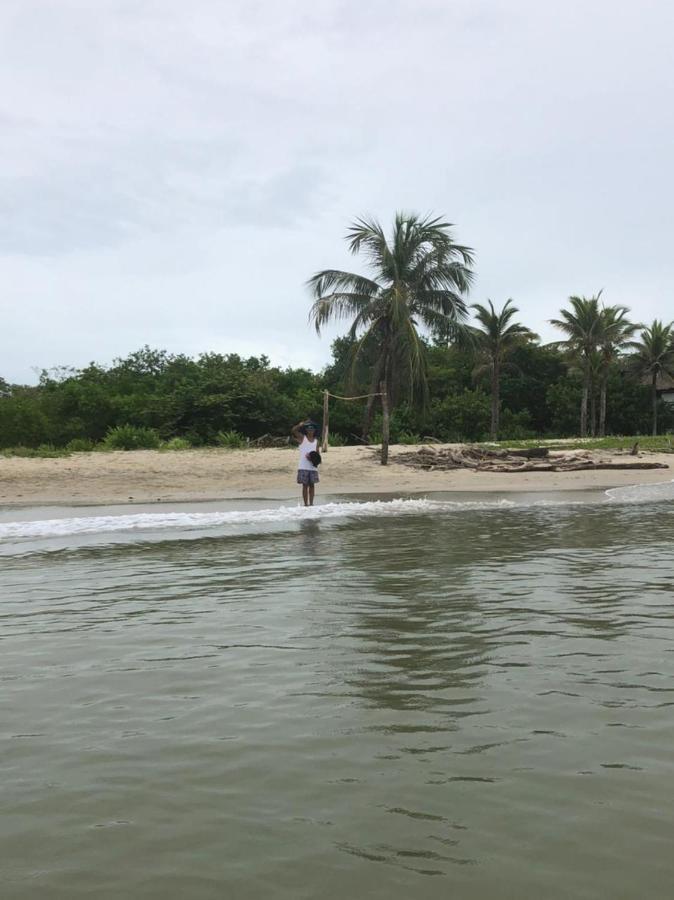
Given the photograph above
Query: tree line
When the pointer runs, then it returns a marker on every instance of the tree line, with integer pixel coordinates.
(419, 276)
(429, 368)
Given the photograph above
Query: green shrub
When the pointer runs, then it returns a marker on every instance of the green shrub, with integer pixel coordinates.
(177, 443)
(408, 437)
(193, 438)
(80, 445)
(336, 440)
(44, 451)
(231, 440)
(49, 450)
(131, 437)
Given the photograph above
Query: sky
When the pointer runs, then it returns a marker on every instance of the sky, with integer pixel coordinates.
(171, 173)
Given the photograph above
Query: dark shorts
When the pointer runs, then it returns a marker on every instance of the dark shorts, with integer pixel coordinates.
(307, 476)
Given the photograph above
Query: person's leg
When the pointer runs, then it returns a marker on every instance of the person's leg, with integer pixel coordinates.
(311, 495)
(305, 494)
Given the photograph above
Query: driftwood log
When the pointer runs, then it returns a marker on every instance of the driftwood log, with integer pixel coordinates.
(531, 453)
(536, 459)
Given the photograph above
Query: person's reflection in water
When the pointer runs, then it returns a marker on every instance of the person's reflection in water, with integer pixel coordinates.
(310, 530)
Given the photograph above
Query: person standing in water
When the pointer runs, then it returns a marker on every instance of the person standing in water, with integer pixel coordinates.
(306, 435)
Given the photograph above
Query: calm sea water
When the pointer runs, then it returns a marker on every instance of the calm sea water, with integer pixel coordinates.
(420, 700)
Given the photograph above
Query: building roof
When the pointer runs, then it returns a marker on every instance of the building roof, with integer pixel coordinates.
(663, 382)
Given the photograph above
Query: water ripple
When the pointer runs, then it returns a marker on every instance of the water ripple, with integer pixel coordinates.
(381, 706)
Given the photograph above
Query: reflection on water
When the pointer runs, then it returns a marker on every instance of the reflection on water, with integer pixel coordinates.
(472, 705)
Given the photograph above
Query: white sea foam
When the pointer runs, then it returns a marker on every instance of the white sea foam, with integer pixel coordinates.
(188, 521)
(642, 493)
(232, 520)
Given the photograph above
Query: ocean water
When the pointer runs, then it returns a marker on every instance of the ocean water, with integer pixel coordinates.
(390, 699)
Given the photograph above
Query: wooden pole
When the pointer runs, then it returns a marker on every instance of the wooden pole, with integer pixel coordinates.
(326, 413)
(384, 424)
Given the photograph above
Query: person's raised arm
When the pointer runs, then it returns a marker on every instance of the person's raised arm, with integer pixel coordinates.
(297, 432)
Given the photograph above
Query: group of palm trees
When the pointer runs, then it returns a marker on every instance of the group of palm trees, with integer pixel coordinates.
(596, 337)
(420, 277)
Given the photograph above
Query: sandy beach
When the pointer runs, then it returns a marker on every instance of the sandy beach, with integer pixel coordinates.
(214, 474)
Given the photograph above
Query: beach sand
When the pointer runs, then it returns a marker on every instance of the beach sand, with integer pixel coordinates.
(144, 476)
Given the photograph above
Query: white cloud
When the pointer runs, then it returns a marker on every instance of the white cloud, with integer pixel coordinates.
(171, 174)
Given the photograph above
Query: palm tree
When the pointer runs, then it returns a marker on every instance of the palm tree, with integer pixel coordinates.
(654, 356)
(616, 331)
(582, 325)
(495, 340)
(418, 277)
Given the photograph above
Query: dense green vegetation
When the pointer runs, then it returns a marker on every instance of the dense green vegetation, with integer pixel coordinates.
(167, 395)
(452, 381)
(215, 399)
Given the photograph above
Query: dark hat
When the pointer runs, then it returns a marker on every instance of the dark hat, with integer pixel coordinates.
(307, 425)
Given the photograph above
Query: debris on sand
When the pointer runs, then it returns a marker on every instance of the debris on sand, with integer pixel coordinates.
(536, 459)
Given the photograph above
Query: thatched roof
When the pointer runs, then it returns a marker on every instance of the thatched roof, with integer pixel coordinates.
(663, 383)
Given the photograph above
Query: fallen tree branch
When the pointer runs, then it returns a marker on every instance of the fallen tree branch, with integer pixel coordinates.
(538, 459)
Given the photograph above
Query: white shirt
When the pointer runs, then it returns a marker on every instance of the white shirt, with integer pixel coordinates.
(306, 447)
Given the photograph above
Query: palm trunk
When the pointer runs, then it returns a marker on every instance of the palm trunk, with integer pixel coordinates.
(495, 400)
(593, 411)
(654, 396)
(583, 404)
(384, 423)
(602, 409)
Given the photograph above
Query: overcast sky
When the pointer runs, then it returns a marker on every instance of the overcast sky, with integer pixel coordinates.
(172, 173)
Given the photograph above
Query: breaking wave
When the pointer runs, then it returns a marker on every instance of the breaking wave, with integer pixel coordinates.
(66, 530)
(642, 493)
(188, 521)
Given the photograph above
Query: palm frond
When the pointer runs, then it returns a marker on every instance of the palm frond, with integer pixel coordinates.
(323, 282)
(335, 307)
(497, 335)
(654, 352)
(419, 277)
(408, 353)
(368, 236)
(358, 348)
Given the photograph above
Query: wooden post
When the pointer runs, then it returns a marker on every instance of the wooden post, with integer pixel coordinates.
(384, 424)
(326, 413)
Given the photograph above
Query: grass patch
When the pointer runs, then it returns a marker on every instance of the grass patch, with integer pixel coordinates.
(80, 445)
(176, 443)
(614, 442)
(44, 451)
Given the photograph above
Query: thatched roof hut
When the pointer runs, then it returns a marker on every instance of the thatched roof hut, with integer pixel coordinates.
(665, 387)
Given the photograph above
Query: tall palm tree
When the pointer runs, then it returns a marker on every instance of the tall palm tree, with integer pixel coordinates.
(418, 277)
(495, 339)
(616, 331)
(582, 326)
(654, 356)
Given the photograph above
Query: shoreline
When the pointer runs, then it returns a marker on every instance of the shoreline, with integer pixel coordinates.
(215, 475)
